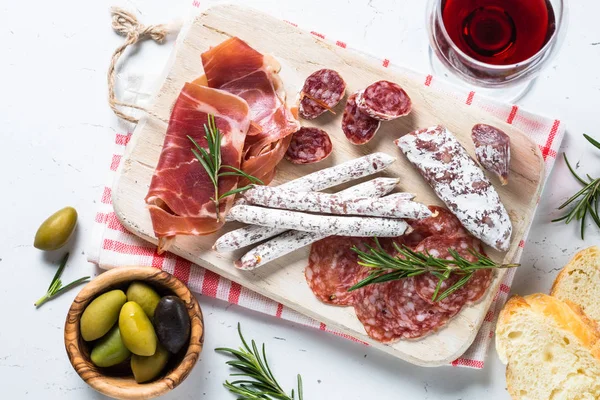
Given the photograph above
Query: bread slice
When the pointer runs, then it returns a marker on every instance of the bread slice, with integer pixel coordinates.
(579, 281)
(552, 349)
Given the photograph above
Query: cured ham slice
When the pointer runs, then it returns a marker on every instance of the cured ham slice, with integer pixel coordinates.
(180, 192)
(237, 68)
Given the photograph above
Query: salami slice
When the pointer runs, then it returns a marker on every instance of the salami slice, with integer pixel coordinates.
(309, 145)
(492, 148)
(442, 223)
(384, 100)
(322, 91)
(474, 289)
(358, 127)
(393, 310)
(333, 268)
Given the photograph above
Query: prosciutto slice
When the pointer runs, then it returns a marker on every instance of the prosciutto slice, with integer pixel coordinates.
(237, 68)
(180, 190)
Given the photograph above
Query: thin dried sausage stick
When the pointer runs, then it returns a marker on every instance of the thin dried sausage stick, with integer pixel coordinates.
(293, 240)
(337, 204)
(319, 180)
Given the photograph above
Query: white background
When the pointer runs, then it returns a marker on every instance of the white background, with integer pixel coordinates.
(57, 139)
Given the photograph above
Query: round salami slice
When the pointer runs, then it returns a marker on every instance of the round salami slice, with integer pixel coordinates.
(309, 145)
(384, 100)
(322, 91)
(443, 223)
(333, 268)
(474, 289)
(393, 310)
(358, 127)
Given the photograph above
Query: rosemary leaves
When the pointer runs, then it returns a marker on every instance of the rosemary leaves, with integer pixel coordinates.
(210, 159)
(585, 201)
(409, 263)
(258, 381)
(56, 289)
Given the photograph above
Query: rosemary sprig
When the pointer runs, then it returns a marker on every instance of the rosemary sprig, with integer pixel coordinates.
(259, 382)
(56, 289)
(585, 200)
(210, 159)
(409, 263)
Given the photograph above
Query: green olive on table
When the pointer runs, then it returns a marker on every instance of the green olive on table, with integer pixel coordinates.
(110, 349)
(101, 314)
(55, 231)
(172, 323)
(147, 368)
(137, 331)
(143, 295)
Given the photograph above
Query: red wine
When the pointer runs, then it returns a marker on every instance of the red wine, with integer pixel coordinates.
(499, 32)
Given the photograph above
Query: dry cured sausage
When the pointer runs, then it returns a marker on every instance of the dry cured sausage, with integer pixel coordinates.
(492, 149)
(358, 126)
(309, 145)
(322, 91)
(460, 183)
(384, 101)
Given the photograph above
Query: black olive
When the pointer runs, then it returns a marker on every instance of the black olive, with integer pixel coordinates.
(172, 323)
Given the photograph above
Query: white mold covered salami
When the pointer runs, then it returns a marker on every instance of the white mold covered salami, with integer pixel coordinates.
(319, 180)
(492, 149)
(394, 206)
(358, 127)
(322, 91)
(384, 101)
(309, 145)
(325, 224)
(293, 240)
(459, 183)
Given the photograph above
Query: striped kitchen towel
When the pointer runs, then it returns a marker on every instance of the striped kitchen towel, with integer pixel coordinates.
(113, 246)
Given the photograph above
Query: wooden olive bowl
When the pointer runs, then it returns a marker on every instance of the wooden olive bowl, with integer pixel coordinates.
(118, 382)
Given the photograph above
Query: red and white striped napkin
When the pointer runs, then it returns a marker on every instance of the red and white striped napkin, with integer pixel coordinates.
(113, 246)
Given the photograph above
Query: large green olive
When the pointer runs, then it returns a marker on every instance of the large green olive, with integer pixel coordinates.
(137, 331)
(101, 314)
(145, 296)
(172, 323)
(55, 231)
(110, 350)
(147, 368)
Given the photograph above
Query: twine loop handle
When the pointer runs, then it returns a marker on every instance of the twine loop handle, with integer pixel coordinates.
(126, 24)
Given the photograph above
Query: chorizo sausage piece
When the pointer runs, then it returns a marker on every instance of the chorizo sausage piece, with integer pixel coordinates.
(309, 145)
(321, 92)
(358, 126)
(384, 101)
(492, 149)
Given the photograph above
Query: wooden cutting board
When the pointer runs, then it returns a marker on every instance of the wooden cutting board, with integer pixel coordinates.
(301, 53)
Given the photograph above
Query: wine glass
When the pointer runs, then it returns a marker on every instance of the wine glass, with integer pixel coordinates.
(498, 46)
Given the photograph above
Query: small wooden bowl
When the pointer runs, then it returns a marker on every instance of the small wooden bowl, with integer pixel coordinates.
(114, 382)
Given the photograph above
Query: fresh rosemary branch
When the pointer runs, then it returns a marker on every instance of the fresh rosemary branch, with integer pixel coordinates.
(56, 289)
(210, 159)
(259, 382)
(409, 263)
(585, 200)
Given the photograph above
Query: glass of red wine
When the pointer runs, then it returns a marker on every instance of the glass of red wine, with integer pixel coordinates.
(497, 45)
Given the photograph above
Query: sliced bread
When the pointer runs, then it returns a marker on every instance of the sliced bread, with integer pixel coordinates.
(579, 281)
(552, 349)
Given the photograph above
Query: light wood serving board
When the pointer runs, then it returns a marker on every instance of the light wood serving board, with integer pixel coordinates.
(300, 54)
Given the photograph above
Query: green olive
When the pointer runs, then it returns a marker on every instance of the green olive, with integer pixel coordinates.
(55, 231)
(145, 296)
(137, 331)
(147, 368)
(110, 350)
(101, 314)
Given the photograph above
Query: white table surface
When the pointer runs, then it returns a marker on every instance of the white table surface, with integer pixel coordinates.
(57, 139)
